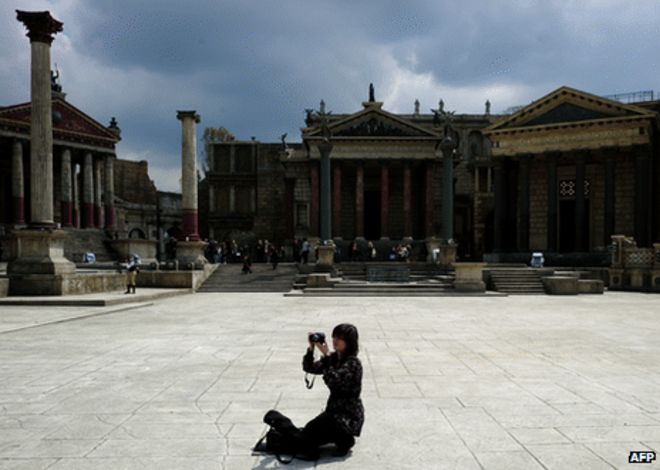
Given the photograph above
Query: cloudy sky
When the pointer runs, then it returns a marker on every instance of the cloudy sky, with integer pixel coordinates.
(253, 66)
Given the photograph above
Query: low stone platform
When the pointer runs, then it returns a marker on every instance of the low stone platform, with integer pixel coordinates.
(98, 299)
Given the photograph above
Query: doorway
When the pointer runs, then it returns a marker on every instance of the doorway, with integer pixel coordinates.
(372, 215)
(567, 225)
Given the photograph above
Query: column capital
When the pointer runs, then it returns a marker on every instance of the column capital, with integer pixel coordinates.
(181, 115)
(40, 24)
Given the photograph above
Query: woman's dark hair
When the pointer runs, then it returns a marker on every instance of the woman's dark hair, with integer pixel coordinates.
(349, 334)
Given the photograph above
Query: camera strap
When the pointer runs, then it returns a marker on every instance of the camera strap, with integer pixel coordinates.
(309, 383)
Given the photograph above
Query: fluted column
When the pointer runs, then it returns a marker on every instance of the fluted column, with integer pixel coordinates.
(580, 205)
(610, 196)
(428, 199)
(98, 189)
(88, 192)
(326, 191)
(500, 206)
(189, 173)
(384, 199)
(76, 196)
(109, 192)
(359, 200)
(66, 198)
(336, 198)
(18, 183)
(552, 208)
(41, 28)
(523, 201)
(407, 201)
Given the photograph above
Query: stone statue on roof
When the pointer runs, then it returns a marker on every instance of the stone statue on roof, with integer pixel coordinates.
(372, 97)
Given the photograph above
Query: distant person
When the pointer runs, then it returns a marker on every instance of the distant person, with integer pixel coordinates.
(274, 256)
(304, 251)
(247, 265)
(132, 270)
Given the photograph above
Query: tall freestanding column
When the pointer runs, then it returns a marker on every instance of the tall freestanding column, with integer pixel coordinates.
(190, 252)
(109, 193)
(41, 28)
(76, 196)
(189, 173)
(384, 200)
(428, 199)
(40, 263)
(407, 201)
(66, 198)
(98, 189)
(523, 184)
(551, 169)
(580, 216)
(325, 196)
(18, 183)
(88, 192)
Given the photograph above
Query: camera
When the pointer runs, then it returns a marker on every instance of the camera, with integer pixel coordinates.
(317, 338)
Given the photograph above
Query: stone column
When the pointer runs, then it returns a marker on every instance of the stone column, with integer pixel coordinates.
(325, 195)
(190, 251)
(76, 196)
(336, 199)
(67, 190)
(109, 193)
(610, 198)
(643, 200)
(384, 200)
(552, 209)
(447, 147)
(98, 189)
(18, 183)
(88, 192)
(407, 201)
(41, 28)
(40, 267)
(314, 199)
(189, 173)
(523, 182)
(428, 200)
(580, 213)
(500, 205)
(359, 200)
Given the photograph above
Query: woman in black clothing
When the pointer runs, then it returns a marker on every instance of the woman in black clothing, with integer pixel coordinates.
(343, 417)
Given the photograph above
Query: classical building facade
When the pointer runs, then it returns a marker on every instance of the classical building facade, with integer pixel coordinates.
(386, 181)
(572, 169)
(561, 176)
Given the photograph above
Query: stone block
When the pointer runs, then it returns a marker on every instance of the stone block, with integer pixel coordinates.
(66, 284)
(591, 286)
(145, 249)
(4, 287)
(320, 280)
(469, 277)
(560, 285)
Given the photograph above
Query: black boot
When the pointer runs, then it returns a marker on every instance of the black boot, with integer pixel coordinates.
(128, 290)
(133, 287)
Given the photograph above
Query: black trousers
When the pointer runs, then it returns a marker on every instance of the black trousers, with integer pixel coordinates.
(324, 430)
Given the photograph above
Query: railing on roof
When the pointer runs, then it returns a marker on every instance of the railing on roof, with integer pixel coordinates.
(632, 97)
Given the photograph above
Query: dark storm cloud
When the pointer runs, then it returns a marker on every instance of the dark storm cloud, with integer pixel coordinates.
(254, 66)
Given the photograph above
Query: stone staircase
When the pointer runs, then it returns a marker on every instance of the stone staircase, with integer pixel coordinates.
(229, 278)
(80, 241)
(517, 280)
(424, 280)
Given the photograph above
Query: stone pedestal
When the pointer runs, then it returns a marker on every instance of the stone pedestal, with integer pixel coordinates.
(325, 258)
(145, 249)
(560, 285)
(190, 254)
(469, 277)
(40, 264)
(447, 254)
(432, 244)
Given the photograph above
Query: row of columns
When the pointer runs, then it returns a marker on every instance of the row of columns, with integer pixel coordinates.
(502, 215)
(384, 199)
(97, 179)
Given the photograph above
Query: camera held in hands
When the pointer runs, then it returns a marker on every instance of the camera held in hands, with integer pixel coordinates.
(317, 338)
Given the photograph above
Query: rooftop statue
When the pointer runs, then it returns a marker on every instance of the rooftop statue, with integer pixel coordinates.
(372, 98)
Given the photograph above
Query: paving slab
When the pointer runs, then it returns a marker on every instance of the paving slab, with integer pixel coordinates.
(461, 383)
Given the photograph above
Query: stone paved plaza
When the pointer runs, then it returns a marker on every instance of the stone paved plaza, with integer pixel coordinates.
(524, 382)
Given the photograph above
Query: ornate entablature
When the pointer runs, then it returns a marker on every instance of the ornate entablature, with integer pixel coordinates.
(569, 120)
(69, 125)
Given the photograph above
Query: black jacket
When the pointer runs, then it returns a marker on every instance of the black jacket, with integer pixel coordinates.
(344, 379)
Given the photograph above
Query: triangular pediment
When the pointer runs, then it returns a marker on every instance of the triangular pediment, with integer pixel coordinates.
(567, 105)
(373, 123)
(66, 118)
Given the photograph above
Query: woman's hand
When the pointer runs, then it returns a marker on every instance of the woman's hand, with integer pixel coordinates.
(311, 345)
(323, 347)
